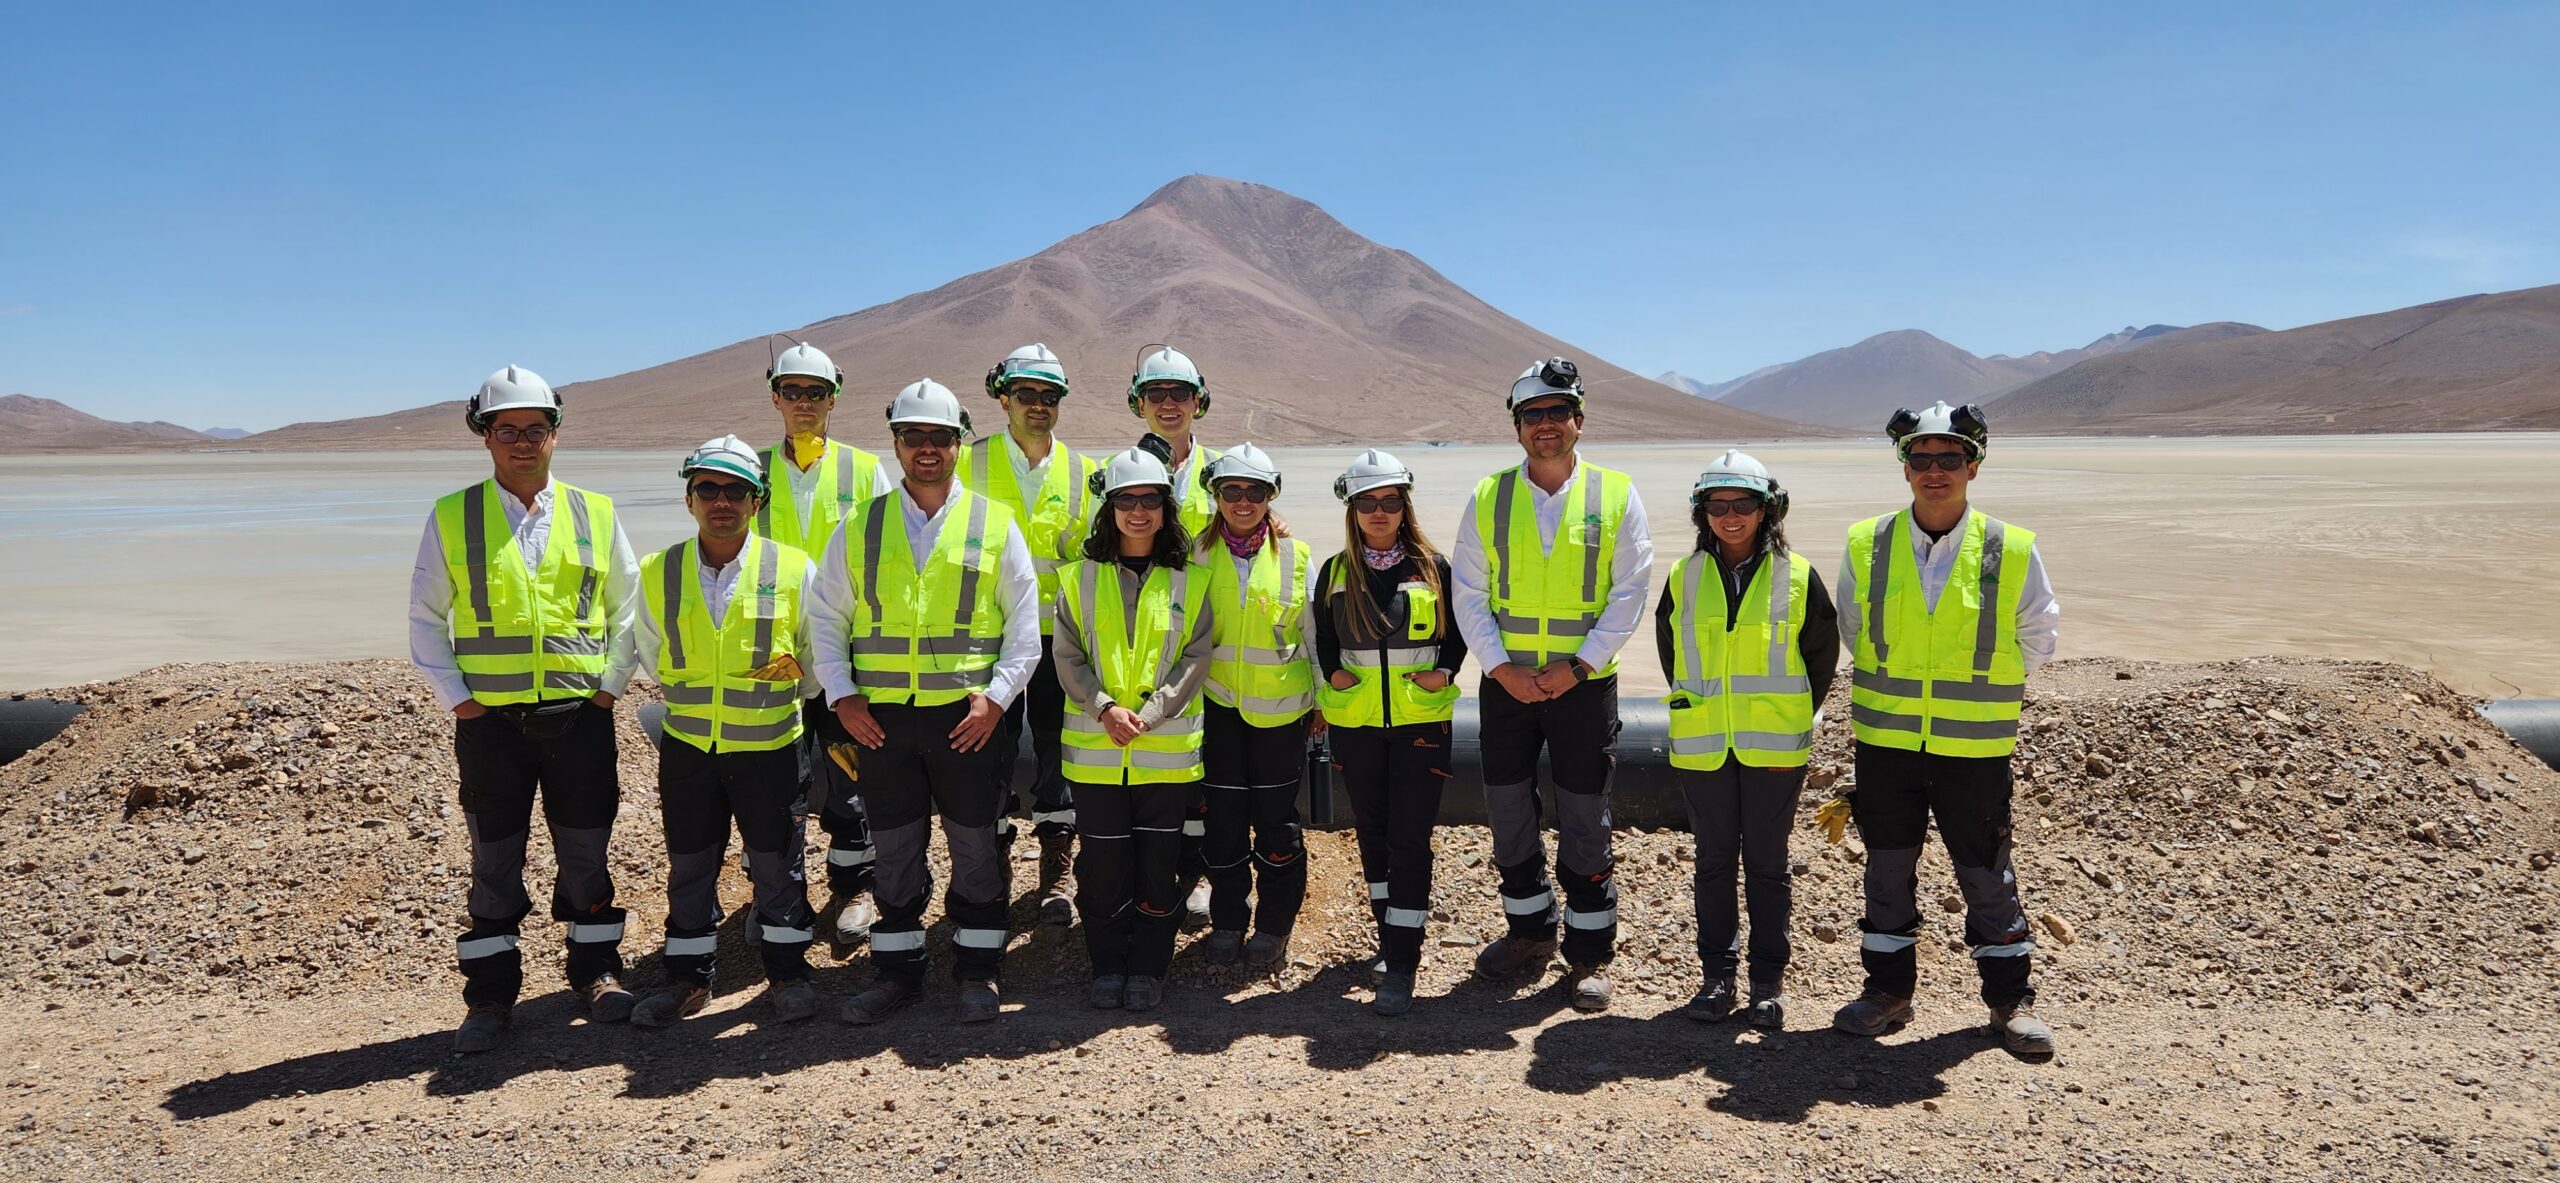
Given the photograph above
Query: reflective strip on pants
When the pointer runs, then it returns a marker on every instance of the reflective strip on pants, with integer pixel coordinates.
(2013, 949)
(692, 946)
(1407, 917)
(590, 934)
(1600, 919)
(852, 858)
(897, 942)
(479, 947)
(1885, 942)
(1529, 906)
(978, 938)
(1377, 891)
(778, 935)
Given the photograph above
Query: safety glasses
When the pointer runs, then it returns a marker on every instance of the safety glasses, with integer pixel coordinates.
(1254, 492)
(1537, 415)
(804, 394)
(1385, 503)
(524, 435)
(1037, 398)
(1161, 395)
(1137, 501)
(1942, 461)
(721, 491)
(927, 437)
(1720, 507)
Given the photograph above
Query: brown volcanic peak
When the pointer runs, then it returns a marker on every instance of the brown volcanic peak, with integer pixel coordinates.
(1308, 332)
(31, 424)
(1858, 386)
(2483, 362)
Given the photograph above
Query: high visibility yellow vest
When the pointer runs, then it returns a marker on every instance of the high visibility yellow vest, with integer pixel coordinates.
(527, 633)
(1261, 668)
(1198, 507)
(1546, 601)
(711, 702)
(1951, 681)
(1381, 693)
(846, 476)
(1742, 690)
(925, 637)
(1132, 664)
(1054, 520)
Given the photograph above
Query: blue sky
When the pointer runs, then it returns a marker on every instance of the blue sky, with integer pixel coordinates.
(251, 214)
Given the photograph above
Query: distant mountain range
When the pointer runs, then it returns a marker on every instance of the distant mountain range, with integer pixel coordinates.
(31, 424)
(1308, 332)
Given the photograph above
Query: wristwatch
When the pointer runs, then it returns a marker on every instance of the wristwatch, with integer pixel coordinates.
(1581, 670)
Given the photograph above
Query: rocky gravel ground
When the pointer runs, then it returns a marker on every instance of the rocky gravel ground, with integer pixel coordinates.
(2295, 923)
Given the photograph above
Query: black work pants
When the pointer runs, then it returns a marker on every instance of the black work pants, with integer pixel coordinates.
(1252, 789)
(836, 797)
(911, 776)
(699, 795)
(507, 757)
(1738, 813)
(1041, 710)
(1128, 841)
(1898, 793)
(1579, 731)
(1394, 776)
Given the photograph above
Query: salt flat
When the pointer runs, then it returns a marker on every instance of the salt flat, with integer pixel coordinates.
(2438, 551)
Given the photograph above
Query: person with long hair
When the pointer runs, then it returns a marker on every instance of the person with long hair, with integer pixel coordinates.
(1389, 652)
(1261, 697)
(1750, 640)
(1132, 641)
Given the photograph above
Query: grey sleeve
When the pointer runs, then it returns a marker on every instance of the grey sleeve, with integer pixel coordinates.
(1075, 670)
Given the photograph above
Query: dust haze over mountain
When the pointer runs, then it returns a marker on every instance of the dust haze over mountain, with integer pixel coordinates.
(1858, 386)
(31, 424)
(1307, 332)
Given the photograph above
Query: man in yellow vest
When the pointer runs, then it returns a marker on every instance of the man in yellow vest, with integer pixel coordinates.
(520, 615)
(812, 483)
(1944, 610)
(926, 615)
(724, 632)
(1042, 481)
(1551, 563)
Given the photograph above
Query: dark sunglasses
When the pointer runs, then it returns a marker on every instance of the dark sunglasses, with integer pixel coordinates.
(529, 435)
(1137, 501)
(1727, 505)
(927, 437)
(1037, 398)
(1537, 415)
(1390, 503)
(1256, 493)
(798, 394)
(722, 491)
(1942, 461)
(1168, 394)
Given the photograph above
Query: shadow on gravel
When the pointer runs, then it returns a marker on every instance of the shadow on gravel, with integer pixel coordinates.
(1770, 1076)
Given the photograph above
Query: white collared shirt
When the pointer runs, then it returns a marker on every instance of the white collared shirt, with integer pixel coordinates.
(830, 605)
(803, 482)
(1630, 570)
(719, 585)
(1028, 477)
(431, 593)
(2039, 614)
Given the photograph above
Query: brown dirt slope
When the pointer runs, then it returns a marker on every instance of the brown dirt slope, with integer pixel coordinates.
(2474, 363)
(2294, 915)
(1309, 333)
(31, 424)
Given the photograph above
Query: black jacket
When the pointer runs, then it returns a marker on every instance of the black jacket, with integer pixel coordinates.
(1819, 642)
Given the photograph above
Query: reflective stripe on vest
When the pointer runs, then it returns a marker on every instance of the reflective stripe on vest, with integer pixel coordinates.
(1741, 690)
(1131, 664)
(846, 476)
(1547, 599)
(526, 630)
(1382, 693)
(930, 637)
(711, 702)
(1953, 680)
(1260, 667)
(1198, 506)
(1053, 529)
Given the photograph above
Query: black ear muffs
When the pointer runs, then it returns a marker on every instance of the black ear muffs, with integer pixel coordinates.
(1776, 502)
(995, 380)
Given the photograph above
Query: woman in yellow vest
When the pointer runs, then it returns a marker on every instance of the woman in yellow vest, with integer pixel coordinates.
(1750, 641)
(1133, 636)
(1261, 700)
(1389, 655)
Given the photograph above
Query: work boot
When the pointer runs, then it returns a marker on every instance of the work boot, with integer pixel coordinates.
(666, 1006)
(1144, 993)
(2026, 1036)
(1378, 970)
(884, 997)
(1266, 950)
(793, 1000)
(1713, 1001)
(1512, 955)
(484, 1027)
(1395, 994)
(1590, 987)
(1106, 991)
(1874, 1013)
(1195, 904)
(607, 1001)
(1769, 1006)
(854, 918)
(1225, 946)
(978, 1003)
(1057, 862)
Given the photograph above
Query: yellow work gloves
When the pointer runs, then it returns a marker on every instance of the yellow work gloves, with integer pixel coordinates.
(1832, 818)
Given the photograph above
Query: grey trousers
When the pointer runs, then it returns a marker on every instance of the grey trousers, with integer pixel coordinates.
(1742, 814)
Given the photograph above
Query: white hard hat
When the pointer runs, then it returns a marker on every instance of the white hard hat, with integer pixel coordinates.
(1542, 379)
(925, 401)
(1134, 468)
(1734, 470)
(514, 388)
(1373, 470)
(729, 455)
(1035, 361)
(1965, 425)
(1242, 462)
(1164, 363)
(805, 361)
